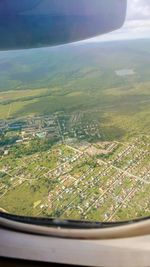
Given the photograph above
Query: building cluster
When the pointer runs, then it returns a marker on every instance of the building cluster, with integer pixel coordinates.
(82, 182)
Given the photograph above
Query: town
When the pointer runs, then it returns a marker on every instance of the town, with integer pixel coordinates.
(74, 177)
(58, 125)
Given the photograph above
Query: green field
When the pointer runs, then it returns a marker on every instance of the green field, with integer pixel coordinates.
(72, 78)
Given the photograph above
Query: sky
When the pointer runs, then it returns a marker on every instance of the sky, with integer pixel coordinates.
(137, 24)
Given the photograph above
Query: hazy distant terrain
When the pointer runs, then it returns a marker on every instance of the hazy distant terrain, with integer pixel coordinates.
(80, 77)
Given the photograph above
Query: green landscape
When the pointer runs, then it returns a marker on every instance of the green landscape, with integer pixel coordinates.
(74, 131)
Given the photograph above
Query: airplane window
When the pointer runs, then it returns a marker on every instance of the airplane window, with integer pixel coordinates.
(75, 126)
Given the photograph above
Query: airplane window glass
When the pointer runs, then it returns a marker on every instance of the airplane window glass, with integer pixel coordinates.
(75, 126)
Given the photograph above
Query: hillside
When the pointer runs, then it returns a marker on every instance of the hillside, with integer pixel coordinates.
(84, 77)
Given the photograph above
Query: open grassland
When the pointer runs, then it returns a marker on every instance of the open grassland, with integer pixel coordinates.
(80, 78)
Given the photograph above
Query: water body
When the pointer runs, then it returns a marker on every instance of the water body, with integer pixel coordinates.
(125, 72)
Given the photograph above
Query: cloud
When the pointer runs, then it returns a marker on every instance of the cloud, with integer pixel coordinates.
(138, 9)
(134, 29)
(137, 23)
